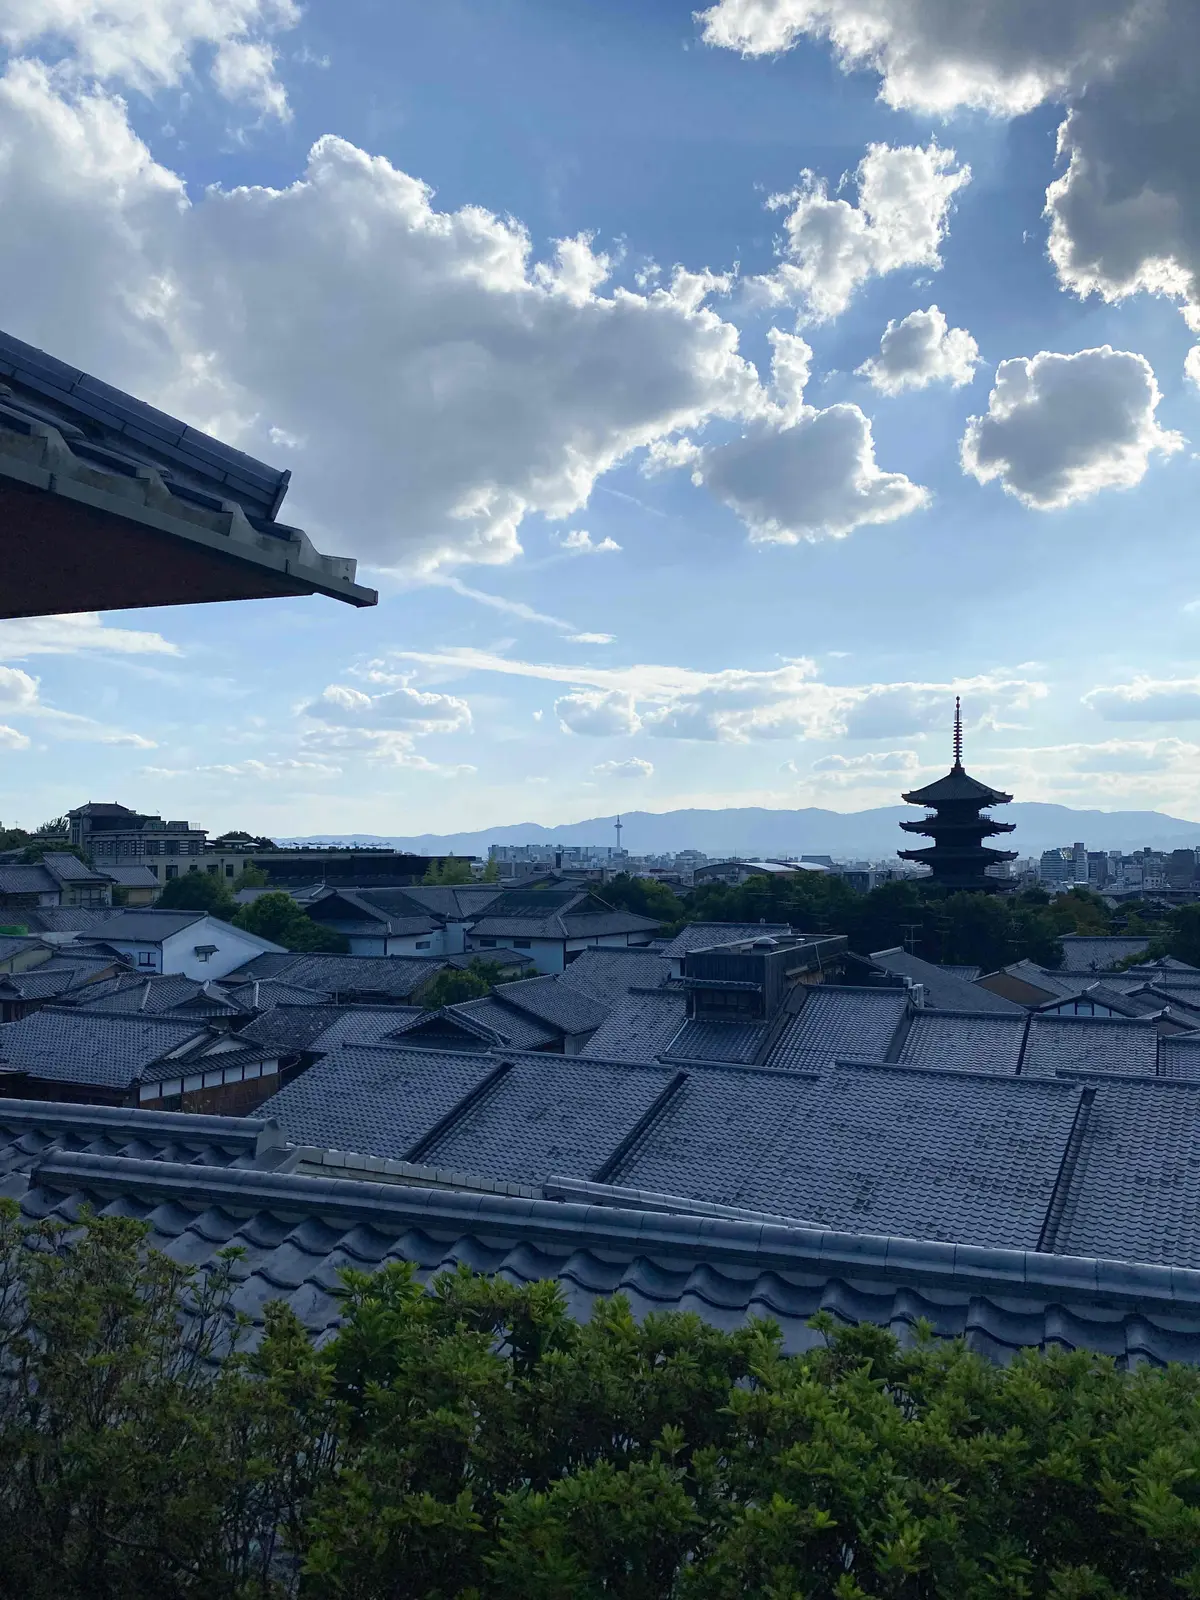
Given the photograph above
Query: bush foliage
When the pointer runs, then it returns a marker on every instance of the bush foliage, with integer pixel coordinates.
(472, 1441)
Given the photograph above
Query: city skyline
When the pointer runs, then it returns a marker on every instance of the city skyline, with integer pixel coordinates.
(806, 427)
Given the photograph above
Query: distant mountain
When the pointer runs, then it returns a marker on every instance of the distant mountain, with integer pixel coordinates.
(847, 835)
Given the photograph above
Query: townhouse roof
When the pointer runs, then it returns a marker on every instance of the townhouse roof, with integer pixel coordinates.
(131, 877)
(121, 505)
(346, 976)
(202, 1183)
(68, 868)
(555, 914)
(965, 1041)
(154, 995)
(946, 988)
(640, 1027)
(26, 879)
(844, 1021)
(703, 1040)
(519, 1029)
(356, 1025)
(1120, 1045)
(87, 1047)
(1090, 953)
(568, 1008)
(611, 974)
(1179, 1057)
(705, 935)
(290, 1029)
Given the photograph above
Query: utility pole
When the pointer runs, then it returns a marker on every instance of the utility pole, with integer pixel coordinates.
(910, 936)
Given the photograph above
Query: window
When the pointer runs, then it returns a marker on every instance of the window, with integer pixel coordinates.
(487, 944)
(145, 958)
(522, 944)
(153, 868)
(422, 944)
(229, 870)
(172, 872)
(214, 868)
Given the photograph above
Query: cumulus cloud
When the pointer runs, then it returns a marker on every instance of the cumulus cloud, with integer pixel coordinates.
(919, 350)
(737, 705)
(879, 761)
(11, 739)
(153, 44)
(1059, 428)
(832, 246)
(597, 712)
(347, 721)
(800, 473)
(633, 768)
(1147, 699)
(77, 634)
(580, 542)
(1125, 214)
(512, 382)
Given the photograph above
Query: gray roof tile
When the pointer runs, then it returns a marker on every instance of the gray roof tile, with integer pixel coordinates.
(1121, 1045)
(353, 1025)
(567, 1007)
(512, 1027)
(1179, 1057)
(858, 1024)
(1085, 953)
(702, 1040)
(640, 1028)
(703, 935)
(964, 1042)
(86, 1048)
(610, 975)
(945, 987)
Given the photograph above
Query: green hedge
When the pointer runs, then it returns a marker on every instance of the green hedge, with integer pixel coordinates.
(475, 1441)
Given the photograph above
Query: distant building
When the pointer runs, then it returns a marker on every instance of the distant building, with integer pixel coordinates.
(113, 834)
(958, 858)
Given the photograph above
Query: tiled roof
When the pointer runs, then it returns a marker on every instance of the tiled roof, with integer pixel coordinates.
(68, 868)
(703, 935)
(149, 927)
(30, 879)
(1135, 1191)
(375, 1100)
(1121, 1045)
(609, 975)
(1179, 1057)
(290, 1029)
(931, 1155)
(352, 1025)
(945, 988)
(347, 976)
(65, 919)
(40, 984)
(154, 996)
(547, 1114)
(1053, 983)
(87, 1048)
(567, 1007)
(702, 1040)
(29, 1128)
(511, 1027)
(1085, 953)
(857, 1024)
(452, 902)
(131, 877)
(976, 1042)
(640, 1027)
(262, 994)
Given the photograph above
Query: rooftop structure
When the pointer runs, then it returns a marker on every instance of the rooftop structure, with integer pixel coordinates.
(107, 503)
(958, 858)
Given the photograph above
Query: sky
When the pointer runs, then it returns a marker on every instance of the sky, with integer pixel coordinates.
(711, 396)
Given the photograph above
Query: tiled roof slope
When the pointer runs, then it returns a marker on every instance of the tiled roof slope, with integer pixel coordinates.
(984, 1042)
(640, 1028)
(567, 1007)
(945, 988)
(702, 935)
(1084, 953)
(1122, 1045)
(1135, 1191)
(352, 1025)
(85, 1047)
(290, 1029)
(374, 1100)
(295, 1232)
(1179, 1057)
(930, 1155)
(609, 975)
(550, 1114)
(702, 1040)
(344, 976)
(511, 1027)
(839, 1022)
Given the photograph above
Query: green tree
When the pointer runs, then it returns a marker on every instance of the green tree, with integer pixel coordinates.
(491, 873)
(277, 917)
(452, 984)
(251, 877)
(1180, 939)
(645, 897)
(197, 891)
(456, 870)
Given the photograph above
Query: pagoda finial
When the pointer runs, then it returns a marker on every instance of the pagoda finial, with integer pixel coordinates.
(957, 732)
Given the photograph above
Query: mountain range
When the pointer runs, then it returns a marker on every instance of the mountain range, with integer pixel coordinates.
(755, 831)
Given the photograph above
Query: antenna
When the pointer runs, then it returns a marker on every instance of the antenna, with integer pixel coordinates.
(618, 828)
(957, 732)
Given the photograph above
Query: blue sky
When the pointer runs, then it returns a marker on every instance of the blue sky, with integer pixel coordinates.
(645, 534)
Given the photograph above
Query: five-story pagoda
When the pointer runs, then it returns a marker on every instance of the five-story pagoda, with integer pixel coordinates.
(958, 857)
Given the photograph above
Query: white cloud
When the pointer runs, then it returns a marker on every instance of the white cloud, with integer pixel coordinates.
(151, 44)
(1059, 428)
(799, 473)
(581, 543)
(833, 246)
(592, 638)
(18, 691)
(919, 350)
(633, 768)
(277, 767)
(597, 713)
(880, 761)
(514, 384)
(1147, 699)
(10, 739)
(75, 634)
(739, 706)
(412, 710)
(1125, 215)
